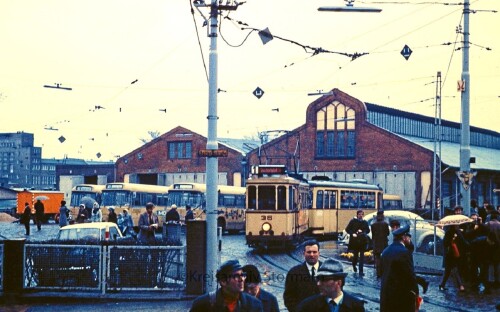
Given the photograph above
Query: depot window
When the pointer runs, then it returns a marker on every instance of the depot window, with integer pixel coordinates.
(335, 132)
(179, 150)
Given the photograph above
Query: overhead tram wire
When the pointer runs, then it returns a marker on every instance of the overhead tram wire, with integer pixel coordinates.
(373, 51)
(199, 42)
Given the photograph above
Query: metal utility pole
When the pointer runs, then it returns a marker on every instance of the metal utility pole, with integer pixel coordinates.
(436, 174)
(212, 163)
(465, 87)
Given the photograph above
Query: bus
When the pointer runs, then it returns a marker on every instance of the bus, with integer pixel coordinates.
(134, 197)
(277, 203)
(85, 194)
(392, 202)
(335, 203)
(230, 203)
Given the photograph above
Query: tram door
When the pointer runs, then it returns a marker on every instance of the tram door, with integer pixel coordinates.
(330, 211)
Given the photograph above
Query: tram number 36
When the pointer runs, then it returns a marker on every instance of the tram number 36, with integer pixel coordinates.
(264, 218)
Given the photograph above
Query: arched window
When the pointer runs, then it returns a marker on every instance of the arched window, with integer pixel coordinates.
(335, 131)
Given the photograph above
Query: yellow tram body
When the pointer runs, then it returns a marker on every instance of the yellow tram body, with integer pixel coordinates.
(276, 202)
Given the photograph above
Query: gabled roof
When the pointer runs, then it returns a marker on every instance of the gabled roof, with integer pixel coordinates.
(486, 158)
(243, 146)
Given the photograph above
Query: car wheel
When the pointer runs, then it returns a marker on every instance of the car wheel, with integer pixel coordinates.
(427, 246)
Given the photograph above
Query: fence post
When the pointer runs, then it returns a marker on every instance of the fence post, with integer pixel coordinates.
(14, 261)
(196, 256)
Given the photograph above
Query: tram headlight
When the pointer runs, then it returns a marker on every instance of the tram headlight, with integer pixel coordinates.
(266, 227)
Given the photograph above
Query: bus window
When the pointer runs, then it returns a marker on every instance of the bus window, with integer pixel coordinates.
(240, 201)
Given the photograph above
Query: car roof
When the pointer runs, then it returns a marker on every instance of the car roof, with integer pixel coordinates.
(396, 213)
(93, 225)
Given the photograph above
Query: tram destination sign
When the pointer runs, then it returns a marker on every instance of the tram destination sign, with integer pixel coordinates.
(212, 153)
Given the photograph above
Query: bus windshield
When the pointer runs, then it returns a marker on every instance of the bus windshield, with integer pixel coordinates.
(181, 199)
(118, 198)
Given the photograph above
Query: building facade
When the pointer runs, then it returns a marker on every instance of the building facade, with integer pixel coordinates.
(173, 157)
(344, 138)
(20, 161)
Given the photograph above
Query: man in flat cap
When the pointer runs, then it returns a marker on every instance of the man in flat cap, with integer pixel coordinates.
(331, 279)
(230, 296)
(253, 287)
(399, 290)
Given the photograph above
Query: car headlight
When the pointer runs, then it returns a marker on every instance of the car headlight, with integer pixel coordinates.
(266, 227)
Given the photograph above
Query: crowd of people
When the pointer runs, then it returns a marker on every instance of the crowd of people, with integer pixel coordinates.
(470, 250)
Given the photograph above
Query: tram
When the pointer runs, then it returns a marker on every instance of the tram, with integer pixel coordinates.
(277, 207)
(335, 203)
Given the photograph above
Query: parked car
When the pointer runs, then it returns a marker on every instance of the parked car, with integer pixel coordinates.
(95, 231)
(422, 231)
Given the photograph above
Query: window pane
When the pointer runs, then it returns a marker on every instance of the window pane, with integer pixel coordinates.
(340, 144)
(351, 143)
(320, 141)
(171, 150)
(330, 144)
(188, 149)
(180, 150)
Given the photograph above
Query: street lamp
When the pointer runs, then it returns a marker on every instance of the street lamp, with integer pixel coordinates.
(349, 7)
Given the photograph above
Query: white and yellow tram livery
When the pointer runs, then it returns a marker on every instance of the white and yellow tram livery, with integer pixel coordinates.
(276, 202)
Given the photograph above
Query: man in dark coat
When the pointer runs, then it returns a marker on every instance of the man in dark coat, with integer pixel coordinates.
(380, 234)
(300, 281)
(230, 296)
(253, 287)
(112, 216)
(358, 230)
(399, 289)
(26, 217)
(148, 223)
(331, 279)
(39, 214)
(189, 214)
(172, 215)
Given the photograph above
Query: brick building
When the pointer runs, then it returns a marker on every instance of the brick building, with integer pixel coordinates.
(173, 157)
(344, 140)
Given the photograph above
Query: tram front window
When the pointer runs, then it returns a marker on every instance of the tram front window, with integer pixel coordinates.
(267, 198)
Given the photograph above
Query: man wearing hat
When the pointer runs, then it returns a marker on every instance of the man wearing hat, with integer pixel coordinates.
(230, 296)
(189, 214)
(112, 216)
(331, 279)
(399, 290)
(172, 215)
(380, 234)
(252, 286)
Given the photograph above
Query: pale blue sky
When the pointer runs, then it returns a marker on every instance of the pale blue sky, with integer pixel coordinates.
(99, 47)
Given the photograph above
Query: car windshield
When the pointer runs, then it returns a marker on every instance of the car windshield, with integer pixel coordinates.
(77, 234)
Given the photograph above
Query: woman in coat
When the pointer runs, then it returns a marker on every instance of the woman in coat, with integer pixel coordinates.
(63, 214)
(454, 245)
